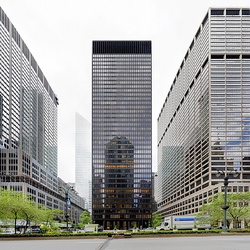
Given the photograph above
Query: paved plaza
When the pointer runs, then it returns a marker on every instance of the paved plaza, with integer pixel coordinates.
(162, 243)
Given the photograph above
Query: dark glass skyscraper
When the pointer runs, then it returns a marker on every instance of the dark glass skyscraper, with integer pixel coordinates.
(121, 133)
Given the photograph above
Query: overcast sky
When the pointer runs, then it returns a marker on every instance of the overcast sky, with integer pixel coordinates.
(59, 34)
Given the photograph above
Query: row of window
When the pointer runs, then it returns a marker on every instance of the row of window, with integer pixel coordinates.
(230, 12)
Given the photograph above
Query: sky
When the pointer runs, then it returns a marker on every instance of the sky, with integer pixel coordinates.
(59, 34)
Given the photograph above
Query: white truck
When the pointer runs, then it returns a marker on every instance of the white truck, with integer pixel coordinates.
(91, 228)
(183, 223)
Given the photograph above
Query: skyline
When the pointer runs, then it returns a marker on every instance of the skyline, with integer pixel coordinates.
(66, 60)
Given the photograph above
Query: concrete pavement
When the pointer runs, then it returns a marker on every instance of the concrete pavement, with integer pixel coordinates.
(228, 242)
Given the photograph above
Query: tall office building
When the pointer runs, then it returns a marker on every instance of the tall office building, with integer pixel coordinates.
(28, 104)
(28, 126)
(204, 124)
(121, 133)
(83, 159)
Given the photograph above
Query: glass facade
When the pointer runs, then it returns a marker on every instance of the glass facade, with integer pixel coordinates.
(121, 133)
(83, 159)
(204, 125)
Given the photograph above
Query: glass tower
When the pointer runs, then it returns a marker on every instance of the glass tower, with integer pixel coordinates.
(121, 133)
(204, 125)
(83, 158)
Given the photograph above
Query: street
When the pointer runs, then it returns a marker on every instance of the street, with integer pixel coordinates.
(181, 243)
(171, 243)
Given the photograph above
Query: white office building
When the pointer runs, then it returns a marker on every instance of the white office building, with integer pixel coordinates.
(28, 126)
(204, 124)
(83, 159)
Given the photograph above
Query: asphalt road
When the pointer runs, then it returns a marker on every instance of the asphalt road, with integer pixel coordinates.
(175, 243)
(181, 243)
(67, 244)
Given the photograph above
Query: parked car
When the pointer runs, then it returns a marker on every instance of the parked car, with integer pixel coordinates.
(80, 231)
(33, 231)
(8, 231)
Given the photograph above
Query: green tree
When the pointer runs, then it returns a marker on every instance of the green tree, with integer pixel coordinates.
(84, 219)
(49, 215)
(30, 212)
(239, 209)
(213, 209)
(156, 220)
(15, 205)
(10, 205)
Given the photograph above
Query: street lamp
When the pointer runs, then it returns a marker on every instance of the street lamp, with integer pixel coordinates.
(67, 201)
(225, 206)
